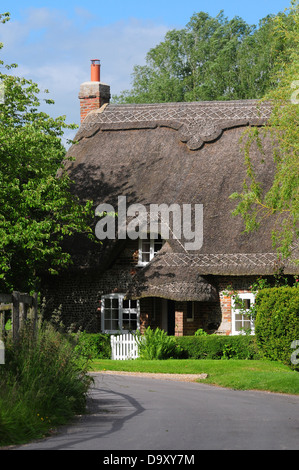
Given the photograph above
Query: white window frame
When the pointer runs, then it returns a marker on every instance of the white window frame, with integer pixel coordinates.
(235, 311)
(121, 312)
(152, 251)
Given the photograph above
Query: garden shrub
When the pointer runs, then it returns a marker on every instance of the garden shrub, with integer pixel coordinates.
(156, 344)
(200, 332)
(93, 345)
(277, 322)
(217, 347)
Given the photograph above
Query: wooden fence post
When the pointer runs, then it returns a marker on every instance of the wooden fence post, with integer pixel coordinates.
(18, 304)
(21, 314)
(2, 324)
(15, 315)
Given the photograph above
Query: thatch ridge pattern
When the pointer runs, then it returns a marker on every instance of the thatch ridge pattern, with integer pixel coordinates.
(231, 259)
(197, 122)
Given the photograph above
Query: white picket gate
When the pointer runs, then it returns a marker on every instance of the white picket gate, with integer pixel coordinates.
(123, 347)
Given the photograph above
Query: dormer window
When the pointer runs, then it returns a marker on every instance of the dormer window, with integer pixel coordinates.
(148, 249)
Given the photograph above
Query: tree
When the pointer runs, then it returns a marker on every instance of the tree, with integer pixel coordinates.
(209, 59)
(281, 200)
(218, 59)
(37, 209)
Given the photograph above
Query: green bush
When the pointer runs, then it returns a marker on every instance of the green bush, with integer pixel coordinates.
(93, 345)
(156, 344)
(277, 322)
(43, 383)
(200, 332)
(217, 347)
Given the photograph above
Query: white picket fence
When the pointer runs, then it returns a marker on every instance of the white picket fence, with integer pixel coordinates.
(123, 347)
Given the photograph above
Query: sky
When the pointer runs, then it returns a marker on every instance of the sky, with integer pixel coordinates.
(53, 41)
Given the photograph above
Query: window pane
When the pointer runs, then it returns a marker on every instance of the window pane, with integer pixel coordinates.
(145, 257)
(114, 314)
(114, 303)
(114, 324)
(126, 304)
(129, 324)
(238, 326)
(146, 246)
(238, 304)
(242, 304)
(107, 324)
(133, 303)
(107, 313)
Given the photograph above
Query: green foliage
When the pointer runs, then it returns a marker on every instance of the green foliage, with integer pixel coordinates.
(156, 344)
(209, 59)
(38, 211)
(280, 202)
(217, 347)
(278, 280)
(93, 345)
(43, 383)
(277, 322)
(200, 332)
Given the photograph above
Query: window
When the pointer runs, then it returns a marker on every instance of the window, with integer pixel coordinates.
(190, 311)
(119, 314)
(148, 248)
(241, 320)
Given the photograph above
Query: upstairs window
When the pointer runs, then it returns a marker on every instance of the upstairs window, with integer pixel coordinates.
(148, 249)
(119, 314)
(242, 322)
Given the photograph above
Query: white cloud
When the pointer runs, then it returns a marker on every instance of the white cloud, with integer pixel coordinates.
(54, 48)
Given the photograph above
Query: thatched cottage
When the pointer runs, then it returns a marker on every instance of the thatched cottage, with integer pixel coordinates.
(187, 154)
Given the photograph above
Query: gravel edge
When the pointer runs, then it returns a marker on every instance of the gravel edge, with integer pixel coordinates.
(174, 377)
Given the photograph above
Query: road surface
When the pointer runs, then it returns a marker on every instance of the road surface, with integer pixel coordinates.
(137, 413)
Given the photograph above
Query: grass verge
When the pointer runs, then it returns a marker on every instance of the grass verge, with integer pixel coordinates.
(236, 374)
(43, 384)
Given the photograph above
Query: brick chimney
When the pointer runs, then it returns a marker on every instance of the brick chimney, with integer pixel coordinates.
(93, 94)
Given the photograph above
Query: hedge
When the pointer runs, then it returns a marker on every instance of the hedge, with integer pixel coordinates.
(277, 322)
(217, 347)
(94, 345)
(97, 346)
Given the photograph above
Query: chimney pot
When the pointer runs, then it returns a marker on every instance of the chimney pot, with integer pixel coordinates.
(95, 70)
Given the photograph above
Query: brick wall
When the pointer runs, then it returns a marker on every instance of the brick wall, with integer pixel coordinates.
(89, 104)
(92, 96)
(77, 297)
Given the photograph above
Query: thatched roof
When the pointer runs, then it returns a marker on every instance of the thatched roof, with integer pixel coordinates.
(184, 153)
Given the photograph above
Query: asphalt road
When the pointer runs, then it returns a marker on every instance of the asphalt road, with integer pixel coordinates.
(137, 413)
